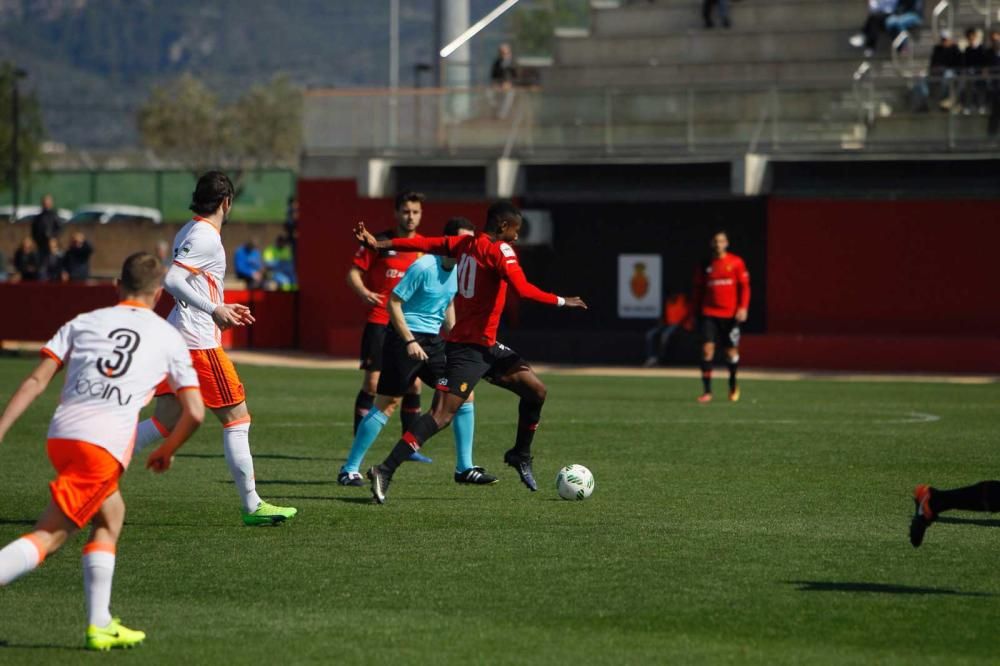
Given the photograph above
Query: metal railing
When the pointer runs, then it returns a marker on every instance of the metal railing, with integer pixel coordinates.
(875, 113)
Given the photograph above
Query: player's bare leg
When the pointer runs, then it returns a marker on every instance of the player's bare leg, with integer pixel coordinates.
(23, 555)
(733, 363)
(707, 358)
(523, 382)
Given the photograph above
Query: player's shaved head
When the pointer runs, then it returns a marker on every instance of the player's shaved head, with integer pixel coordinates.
(212, 189)
(502, 213)
(457, 224)
(142, 273)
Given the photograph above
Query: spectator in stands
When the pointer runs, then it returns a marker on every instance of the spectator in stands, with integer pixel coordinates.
(292, 221)
(250, 264)
(280, 263)
(946, 62)
(163, 253)
(706, 12)
(76, 260)
(975, 63)
(994, 64)
(26, 261)
(502, 76)
(45, 226)
(908, 15)
(52, 262)
(677, 313)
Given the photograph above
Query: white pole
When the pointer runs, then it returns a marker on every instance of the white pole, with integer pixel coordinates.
(393, 72)
(474, 29)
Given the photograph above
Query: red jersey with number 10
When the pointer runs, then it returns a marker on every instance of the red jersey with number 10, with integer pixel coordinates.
(721, 287)
(485, 267)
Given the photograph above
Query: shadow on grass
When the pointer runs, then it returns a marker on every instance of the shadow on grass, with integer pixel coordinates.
(4, 645)
(981, 522)
(878, 588)
(17, 521)
(257, 456)
(283, 482)
(354, 500)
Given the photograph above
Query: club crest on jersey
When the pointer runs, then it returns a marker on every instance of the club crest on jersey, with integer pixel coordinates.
(463, 387)
(183, 250)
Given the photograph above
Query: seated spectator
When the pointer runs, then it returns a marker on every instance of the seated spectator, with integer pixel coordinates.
(76, 260)
(975, 66)
(249, 264)
(706, 12)
(52, 262)
(27, 262)
(878, 12)
(164, 254)
(280, 263)
(908, 15)
(677, 313)
(502, 76)
(946, 62)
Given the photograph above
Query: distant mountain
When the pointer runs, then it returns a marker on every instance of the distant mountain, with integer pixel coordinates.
(92, 62)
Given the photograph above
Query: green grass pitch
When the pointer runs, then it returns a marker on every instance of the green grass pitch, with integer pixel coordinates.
(769, 531)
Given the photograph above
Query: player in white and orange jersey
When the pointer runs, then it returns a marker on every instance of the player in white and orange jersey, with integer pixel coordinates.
(196, 282)
(114, 358)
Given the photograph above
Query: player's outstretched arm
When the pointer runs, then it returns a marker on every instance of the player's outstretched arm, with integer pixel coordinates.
(524, 289)
(192, 416)
(32, 387)
(430, 245)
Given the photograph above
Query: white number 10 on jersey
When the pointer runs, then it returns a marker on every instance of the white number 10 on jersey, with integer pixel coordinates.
(467, 276)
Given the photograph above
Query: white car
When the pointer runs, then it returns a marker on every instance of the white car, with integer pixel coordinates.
(26, 213)
(112, 213)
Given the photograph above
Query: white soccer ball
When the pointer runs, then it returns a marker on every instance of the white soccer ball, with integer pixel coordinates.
(575, 482)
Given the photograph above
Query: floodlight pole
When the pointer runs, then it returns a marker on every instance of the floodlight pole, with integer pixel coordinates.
(15, 149)
(393, 133)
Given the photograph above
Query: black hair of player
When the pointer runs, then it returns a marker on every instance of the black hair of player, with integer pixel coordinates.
(142, 273)
(409, 197)
(212, 189)
(499, 212)
(456, 224)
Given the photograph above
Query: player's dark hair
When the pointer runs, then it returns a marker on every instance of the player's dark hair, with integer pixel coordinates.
(501, 211)
(456, 224)
(408, 197)
(212, 189)
(142, 273)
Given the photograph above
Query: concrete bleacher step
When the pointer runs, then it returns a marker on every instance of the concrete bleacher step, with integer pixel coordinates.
(705, 47)
(663, 74)
(933, 126)
(648, 19)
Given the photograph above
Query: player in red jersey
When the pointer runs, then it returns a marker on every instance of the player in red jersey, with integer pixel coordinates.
(721, 299)
(373, 276)
(486, 265)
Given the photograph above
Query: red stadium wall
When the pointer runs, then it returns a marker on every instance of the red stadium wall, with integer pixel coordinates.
(881, 285)
(36, 310)
(331, 316)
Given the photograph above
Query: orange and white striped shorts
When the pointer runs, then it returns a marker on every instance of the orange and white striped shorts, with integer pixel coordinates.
(220, 385)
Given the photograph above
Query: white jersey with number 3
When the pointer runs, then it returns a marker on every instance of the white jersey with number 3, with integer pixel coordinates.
(115, 358)
(198, 250)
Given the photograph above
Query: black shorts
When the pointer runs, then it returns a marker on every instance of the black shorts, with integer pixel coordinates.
(468, 363)
(399, 370)
(371, 346)
(714, 329)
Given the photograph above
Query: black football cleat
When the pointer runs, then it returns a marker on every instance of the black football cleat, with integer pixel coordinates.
(380, 483)
(475, 476)
(350, 479)
(522, 464)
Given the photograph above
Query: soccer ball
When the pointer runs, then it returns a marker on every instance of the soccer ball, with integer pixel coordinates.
(575, 482)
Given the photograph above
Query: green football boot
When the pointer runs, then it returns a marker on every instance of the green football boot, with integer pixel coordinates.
(115, 635)
(268, 514)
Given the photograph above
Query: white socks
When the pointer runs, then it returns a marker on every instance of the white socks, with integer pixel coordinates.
(149, 432)
(18, 558)
(98, 570)
(236, 444)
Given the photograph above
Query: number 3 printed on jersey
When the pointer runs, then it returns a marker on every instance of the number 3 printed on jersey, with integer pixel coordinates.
(127, 341)
(467, 276)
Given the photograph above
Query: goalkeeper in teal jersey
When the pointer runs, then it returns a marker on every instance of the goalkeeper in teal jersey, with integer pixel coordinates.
(420, 310)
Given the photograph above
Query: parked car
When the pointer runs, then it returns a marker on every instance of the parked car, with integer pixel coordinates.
(25, 213)
(113, 213)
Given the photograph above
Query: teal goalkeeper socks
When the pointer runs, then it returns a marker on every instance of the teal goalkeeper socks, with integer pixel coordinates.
(465, 427)
(368, 429)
